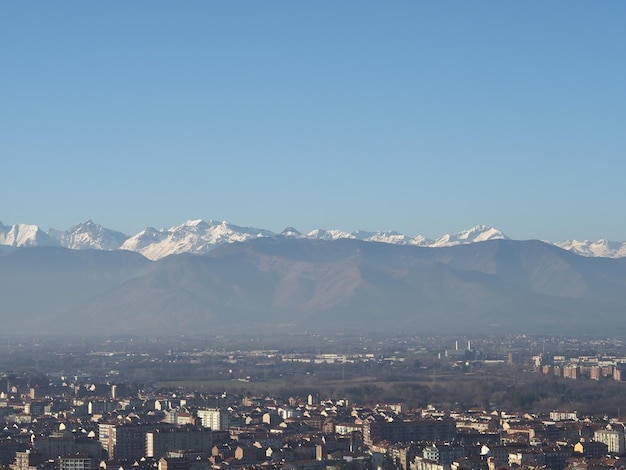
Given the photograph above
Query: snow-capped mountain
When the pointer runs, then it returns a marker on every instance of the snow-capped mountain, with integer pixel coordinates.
(601, 248)
(194, 236)
(24, 235)
(389, 236)
(479, 233)
(88, 235)
(200, 237)
(321, 234)
(291, 232)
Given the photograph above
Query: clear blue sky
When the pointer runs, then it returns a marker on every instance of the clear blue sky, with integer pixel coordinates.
(423, 117)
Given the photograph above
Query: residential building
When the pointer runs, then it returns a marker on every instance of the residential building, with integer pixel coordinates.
(613, 438)
(214, 418)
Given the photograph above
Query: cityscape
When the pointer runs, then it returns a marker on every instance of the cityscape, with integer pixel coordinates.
(312, 402)
(312, 235)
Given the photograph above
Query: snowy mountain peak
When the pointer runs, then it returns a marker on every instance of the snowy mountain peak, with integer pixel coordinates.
(478, 233)
(601, 248)
(481, 233)
(199, 237)
(322, 234)
(144, 239)
(88, 235)
(193, 236)
(194, 223)
(291, 232)
(24, 235)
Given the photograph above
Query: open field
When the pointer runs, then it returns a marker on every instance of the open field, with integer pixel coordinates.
(226, 385)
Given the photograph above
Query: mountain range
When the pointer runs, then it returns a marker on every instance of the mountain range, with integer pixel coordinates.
(215, 277)
(288, 284)
(201, 237)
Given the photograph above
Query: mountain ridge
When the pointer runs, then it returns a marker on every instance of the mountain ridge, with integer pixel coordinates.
(313, 285)
(200, 237)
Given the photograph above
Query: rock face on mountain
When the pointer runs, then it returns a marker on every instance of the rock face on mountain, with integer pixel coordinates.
(287, 283)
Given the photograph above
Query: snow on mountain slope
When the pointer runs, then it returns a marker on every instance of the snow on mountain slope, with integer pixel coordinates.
(198, 236)
(479, 233)
(389, 236)
(194, 236)
(291, 232)
(144, 239)
(420, 240)
(601, 248)
(88, 235)
(24, 235)
(321, 234)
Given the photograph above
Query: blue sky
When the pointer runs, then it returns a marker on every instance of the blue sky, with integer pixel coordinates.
(423, 117)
